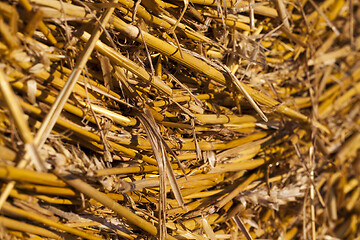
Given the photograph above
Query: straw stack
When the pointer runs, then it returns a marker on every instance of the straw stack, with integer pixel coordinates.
(173, 119)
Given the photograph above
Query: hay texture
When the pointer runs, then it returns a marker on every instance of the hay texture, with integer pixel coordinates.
(169, 119)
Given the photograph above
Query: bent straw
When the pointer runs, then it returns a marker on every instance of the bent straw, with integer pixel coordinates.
(158, 143)
(162, 159)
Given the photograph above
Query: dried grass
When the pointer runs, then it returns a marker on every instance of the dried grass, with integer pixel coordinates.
(180, 120)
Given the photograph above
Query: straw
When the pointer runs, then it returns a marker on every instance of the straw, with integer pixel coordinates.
(250, 127)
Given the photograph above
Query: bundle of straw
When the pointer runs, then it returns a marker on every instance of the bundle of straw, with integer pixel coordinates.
(173, 119)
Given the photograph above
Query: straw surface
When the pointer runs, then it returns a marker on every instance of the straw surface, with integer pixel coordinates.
(174, 119)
